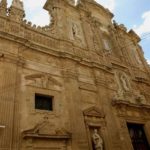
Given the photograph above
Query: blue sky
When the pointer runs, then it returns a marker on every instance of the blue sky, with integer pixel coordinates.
(133, 13)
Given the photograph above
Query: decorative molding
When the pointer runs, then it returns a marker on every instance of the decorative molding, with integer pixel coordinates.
(142, 80)
(87, 86)
(130, 110)
(2, 127)
(94, 117)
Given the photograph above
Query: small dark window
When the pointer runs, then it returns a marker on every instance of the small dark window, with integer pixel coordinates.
(43, 102)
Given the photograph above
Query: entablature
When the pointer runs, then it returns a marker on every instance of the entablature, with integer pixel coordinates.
(127, 109)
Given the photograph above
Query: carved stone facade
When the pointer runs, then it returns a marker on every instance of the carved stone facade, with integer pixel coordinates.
(93, 69)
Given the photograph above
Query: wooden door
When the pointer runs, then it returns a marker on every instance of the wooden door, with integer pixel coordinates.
(138, 138)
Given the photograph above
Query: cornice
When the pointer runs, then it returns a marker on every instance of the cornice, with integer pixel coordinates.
(142, 80)
(133, 35)
(11, 59)
(129, 111)
(94, 3)
(129, 104)
(54, 137)
(74, 53)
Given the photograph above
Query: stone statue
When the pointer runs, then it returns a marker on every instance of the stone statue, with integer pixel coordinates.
(124, 82)
(97, 140)
(75, 30)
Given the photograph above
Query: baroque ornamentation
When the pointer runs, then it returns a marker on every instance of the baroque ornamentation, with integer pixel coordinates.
(124, 87)
(46, 129)
(16, 11)
(94, 117)
(42, 80)
(76, 32)
(125, 82)
(140, 98)
(65, 64)
(3, 7)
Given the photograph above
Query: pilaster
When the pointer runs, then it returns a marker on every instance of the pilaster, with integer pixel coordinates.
(3, 8)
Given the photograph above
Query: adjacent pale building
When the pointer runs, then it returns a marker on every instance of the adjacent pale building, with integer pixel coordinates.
(80, 83)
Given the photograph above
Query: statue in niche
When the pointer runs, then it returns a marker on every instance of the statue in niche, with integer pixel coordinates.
(75, 31)
(124, 82)
(97, 141)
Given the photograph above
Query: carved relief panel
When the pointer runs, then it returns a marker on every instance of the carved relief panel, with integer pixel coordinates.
(125, 91)
(124, 86)
(106, 41)
(76, 32)
(42, 81)
(44, 136)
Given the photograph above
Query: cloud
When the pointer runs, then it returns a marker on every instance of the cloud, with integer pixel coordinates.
(35, 13)
(110, 4)
(33, 4)
(42, 19)
(145, 26)
(148, 61)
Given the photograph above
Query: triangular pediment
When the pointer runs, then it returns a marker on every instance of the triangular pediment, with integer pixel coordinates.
(94, 112)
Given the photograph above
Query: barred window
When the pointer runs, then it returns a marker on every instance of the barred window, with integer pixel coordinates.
(43, 102)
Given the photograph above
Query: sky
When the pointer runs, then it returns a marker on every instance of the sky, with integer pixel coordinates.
(134, 14)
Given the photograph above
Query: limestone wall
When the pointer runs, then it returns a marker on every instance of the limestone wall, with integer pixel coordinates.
(94, 69)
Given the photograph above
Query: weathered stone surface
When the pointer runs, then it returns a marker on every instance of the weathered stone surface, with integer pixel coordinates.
(94, 70)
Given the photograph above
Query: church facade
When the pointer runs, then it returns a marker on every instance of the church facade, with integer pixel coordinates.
(80, 83)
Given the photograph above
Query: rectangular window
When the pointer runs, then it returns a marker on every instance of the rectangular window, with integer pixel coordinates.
(43, 102)
(138, 137)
